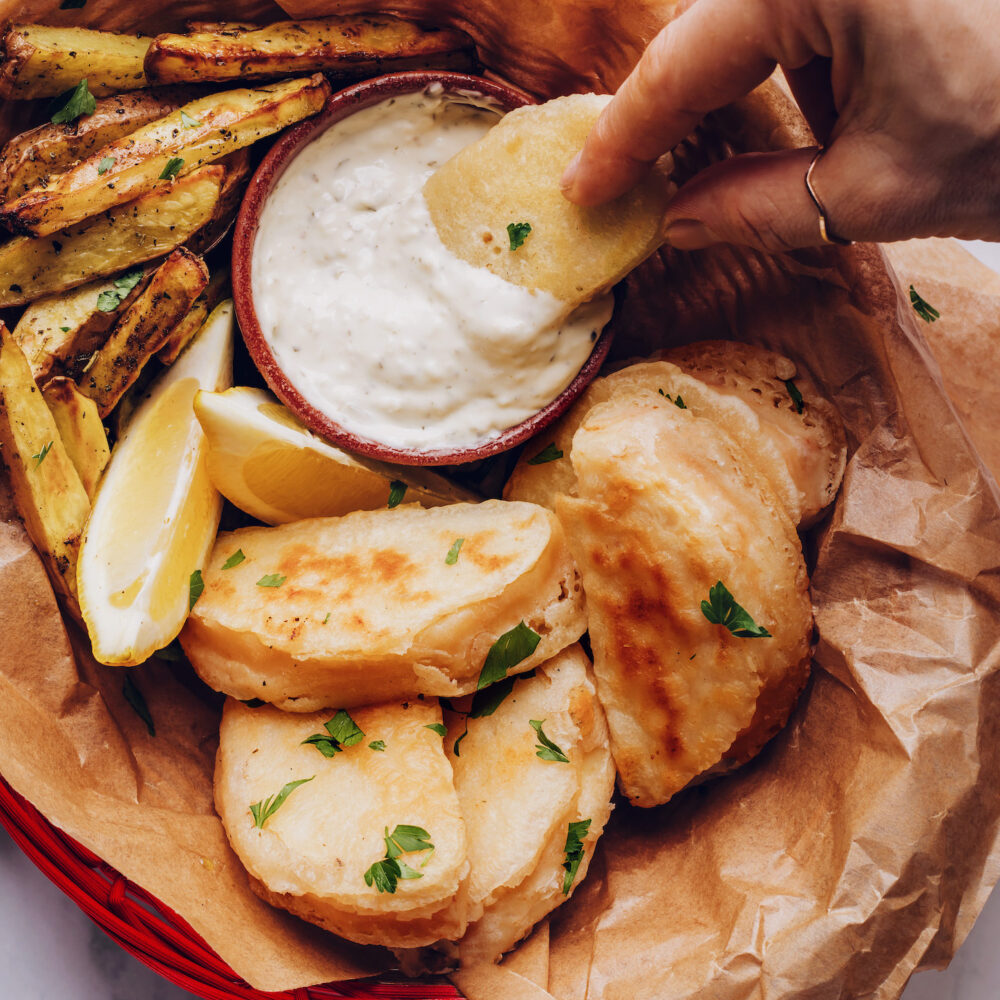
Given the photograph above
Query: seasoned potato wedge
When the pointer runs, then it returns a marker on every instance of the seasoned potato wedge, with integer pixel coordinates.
(203, 130)
(234, 184)
(59, 333)
(47, 489)
(147, 228)
(81, 430)
(29, 158)
(511, 175)
(38, 61)
(311, 854)
(340, 46)
(217, 289)
(143, 328)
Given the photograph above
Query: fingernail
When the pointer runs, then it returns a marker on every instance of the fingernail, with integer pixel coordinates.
(569, 174)
(688, 234)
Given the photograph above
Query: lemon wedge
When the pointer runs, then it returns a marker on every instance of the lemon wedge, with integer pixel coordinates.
(156, 512)
(263, 459)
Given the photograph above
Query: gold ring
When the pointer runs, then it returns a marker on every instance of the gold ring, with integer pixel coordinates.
(825, 233)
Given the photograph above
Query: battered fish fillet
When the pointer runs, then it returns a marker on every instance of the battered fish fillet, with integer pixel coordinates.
(802, 456)
(511, 177)
(668, 507)
(364, 608)
(311, 853)
(517, 807)
(802, 426)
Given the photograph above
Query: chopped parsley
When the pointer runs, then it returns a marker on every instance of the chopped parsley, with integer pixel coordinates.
(385, 874)
(546, 749)
(508, 651)
(65, 329)
(172, 169)
(341, 732)
(271, 580)
(188, 121)
(195, 587)
(436, 727)
(574, 851)
(137, 703)
(234, 560)
(548, 454)
(110, 299)
(40, 456)
(326, 619)
(107, 162)
(262, 811)
(517, 233)
(73, 104)
(679, 401)
(721, 609)
(397, 490)
(452, 557)
(793, 391)
(377, 745)
(922, 307)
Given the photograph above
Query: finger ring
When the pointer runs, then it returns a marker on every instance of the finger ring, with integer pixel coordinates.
(825, 233)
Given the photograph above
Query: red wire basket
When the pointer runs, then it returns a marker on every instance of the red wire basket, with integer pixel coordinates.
(151, 931)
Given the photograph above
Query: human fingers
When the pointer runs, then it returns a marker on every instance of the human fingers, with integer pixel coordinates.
(712, 54)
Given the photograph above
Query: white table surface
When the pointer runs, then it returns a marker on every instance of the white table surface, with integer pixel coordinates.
(50, 951)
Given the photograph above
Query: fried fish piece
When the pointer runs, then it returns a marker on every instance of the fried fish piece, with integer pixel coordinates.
(670, 518)
(510, 177)
(311, 853)
(798, 422)
(362, 608)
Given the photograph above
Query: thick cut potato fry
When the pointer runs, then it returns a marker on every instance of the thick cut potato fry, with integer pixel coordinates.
(131, 234)
(47, 490)
(238, 171)
(143, 328)
(217, 289)
(355, 45)
(29, 158)
(59, 333)
(511, 176)
(81, 430)
(39, 61)
(202, 131)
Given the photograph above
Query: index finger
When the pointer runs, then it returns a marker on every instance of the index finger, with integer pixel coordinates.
(712, 54)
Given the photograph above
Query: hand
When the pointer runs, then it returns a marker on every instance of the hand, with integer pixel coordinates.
(904, 94)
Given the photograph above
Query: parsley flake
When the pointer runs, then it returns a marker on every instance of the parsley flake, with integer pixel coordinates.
(546, 749)
(455, 749)
(65, 329)
(574, 851)
(73, 104)
(341, 732)
(326, 619)
(436, 727)
(793, 391)
(110, 299)
(377, 745)
(508, 651)
(271, 580)
(721, 609)
(452, 557)
(172, 169)
(188, 121)
(40, 456)
(262, 811)
(517, 233)
(397, 490)
(678, 402)
(234, 560)
(548, 454)
(922, 307)
(195, 587)
(404, 839)
(137, 703)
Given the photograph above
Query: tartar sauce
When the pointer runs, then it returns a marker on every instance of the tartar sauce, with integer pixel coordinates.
(373, 320)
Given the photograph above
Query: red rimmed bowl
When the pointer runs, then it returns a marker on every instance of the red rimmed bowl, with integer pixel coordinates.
(340, 106)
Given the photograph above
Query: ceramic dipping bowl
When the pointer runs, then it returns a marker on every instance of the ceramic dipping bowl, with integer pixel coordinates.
(339, 106)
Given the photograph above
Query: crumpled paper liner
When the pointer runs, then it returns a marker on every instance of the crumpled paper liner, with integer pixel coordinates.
(863, 840)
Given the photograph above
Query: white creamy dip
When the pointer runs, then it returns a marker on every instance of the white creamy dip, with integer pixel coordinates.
(373, 320)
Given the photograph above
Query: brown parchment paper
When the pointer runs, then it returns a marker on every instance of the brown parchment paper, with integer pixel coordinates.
(860, 844)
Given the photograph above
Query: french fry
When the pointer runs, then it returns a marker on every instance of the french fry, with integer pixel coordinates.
(352, 45)
(219, 27)
(79, 425)
(215, 291)
(38, 61)
(226, 208)
(144, 328)
(58, 332)
(204, 130)
(147, 228)
(46, 487)
(29, 158)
